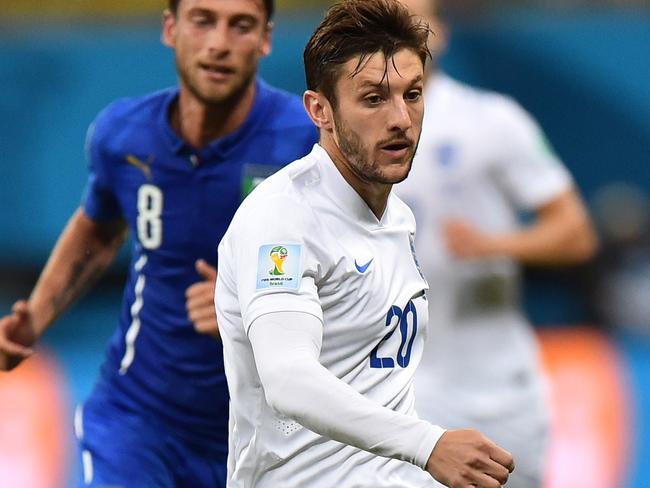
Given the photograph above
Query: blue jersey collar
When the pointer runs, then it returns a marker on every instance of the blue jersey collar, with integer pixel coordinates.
(220, 147)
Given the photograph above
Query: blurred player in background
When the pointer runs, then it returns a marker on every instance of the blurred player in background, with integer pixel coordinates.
(170, 168)
(481, 160)
(320, 301)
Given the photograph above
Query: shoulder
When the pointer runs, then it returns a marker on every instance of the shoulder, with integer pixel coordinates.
(486, 104)
(282, 198)
(129, 114)
(275, 211)
(287, 108)
(284, 101)
(501, 109)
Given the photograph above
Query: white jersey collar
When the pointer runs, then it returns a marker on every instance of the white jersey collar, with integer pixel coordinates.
(346, 197)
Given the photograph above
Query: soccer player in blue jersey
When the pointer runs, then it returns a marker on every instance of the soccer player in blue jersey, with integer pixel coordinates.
(170, 168)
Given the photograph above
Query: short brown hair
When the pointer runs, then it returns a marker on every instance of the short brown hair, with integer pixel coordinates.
(268, 5)
(360, 28)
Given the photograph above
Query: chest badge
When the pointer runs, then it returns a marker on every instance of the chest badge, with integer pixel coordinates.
(446, 154)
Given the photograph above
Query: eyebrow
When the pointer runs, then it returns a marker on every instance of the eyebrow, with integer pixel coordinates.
(244, 16)
(372, 84)
(383, 83)
(235, 17)
(417, 79)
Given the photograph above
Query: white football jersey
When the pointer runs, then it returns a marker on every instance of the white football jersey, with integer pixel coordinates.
(483, 159)
(305, 241)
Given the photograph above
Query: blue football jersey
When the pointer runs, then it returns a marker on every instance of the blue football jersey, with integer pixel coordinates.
(178, 202)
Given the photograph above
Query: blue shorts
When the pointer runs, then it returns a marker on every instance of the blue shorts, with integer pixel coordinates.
(120, 449)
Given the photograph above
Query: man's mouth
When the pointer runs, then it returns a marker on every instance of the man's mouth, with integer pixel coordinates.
(217, 72)
(397, 148)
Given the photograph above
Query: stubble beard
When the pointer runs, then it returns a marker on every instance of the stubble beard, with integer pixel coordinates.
(358, 156)
(227, 99)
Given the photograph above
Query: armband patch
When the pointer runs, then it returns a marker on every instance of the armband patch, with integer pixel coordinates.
(278, 266)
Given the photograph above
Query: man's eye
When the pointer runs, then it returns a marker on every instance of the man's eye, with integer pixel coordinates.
(244, 25)
(413, 95)
(201, 20)
(373, 99)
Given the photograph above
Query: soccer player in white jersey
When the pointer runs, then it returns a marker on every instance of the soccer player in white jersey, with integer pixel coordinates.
(319, 298)
(481, 159)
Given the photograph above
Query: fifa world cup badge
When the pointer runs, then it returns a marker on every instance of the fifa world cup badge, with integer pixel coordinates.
(278, 266)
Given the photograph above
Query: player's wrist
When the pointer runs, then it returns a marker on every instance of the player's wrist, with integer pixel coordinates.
(36, 317)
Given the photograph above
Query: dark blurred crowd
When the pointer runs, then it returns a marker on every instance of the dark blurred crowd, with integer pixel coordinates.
(619, 279)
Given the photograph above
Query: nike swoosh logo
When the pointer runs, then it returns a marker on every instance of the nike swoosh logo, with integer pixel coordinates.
(362, 269)
(132, 160)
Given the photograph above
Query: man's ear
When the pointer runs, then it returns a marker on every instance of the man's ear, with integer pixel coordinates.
(319, 109)
(267, 40)
(168, 34)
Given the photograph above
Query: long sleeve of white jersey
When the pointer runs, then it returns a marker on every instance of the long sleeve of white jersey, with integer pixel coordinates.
(286, 346)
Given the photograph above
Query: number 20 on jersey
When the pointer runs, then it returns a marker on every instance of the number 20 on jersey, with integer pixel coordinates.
(407, 322)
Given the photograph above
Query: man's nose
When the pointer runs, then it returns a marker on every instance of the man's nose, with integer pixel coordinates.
(218, 41)
(400, 116)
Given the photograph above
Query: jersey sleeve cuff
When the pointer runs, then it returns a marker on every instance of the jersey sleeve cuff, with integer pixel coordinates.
(280, 303)
(546, 189)
(427, 445)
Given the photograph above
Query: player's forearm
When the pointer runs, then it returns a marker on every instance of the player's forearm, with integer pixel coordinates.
(318, 400)
(84, 250)
(298, 386)
(562, 234)
(546, 245)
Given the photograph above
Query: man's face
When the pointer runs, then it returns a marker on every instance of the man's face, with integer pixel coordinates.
(218, 44)
(378, 116)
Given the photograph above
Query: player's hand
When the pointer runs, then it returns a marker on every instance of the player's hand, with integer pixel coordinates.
(466, 458)
(16, 336)
(465, 241)
(199, 300)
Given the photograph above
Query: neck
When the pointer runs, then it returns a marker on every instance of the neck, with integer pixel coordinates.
(374, 193)
(200, 123)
